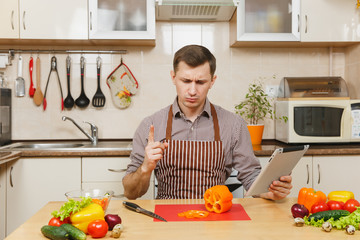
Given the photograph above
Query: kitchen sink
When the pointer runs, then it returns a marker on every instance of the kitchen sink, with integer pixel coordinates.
(47, 145)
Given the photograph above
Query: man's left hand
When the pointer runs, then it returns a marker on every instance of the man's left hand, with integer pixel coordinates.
(279, 189)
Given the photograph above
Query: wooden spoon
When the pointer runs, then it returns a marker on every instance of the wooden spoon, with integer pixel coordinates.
(38, 95)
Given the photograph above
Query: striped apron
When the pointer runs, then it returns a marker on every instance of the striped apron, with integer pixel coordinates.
(188, 168)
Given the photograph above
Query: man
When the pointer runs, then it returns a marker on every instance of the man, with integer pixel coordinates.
(192, 144)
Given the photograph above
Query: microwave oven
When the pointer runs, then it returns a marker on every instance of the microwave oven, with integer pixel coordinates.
(321, 120)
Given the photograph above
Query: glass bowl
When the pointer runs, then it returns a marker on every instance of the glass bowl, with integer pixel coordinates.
(99, 196)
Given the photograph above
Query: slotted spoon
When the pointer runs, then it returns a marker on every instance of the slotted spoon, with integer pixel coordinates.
(99, 98)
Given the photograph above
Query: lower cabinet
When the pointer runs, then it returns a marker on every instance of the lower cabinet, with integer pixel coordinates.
(107, 173)
(325, 173)
(33, 182)
(2, 200)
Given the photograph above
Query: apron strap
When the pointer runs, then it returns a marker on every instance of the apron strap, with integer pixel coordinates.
(215, 121)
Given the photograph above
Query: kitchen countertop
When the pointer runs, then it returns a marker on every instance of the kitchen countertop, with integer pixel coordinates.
(123, 148)
(269, 220)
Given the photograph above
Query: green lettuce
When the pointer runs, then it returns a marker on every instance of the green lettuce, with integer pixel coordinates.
(341, 223)
(71, 206)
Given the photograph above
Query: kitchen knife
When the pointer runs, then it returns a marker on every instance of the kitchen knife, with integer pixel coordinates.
(137, 208)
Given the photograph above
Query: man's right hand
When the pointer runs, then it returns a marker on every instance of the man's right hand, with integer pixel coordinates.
(154, 151)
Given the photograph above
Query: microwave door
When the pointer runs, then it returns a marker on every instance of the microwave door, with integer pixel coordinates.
(310, 121)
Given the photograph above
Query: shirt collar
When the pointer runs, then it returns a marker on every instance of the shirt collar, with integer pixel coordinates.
(177, 112)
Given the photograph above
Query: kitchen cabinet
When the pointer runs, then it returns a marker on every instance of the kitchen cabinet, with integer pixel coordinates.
(272, 20)
(301, 174)
(332, 173)
(329, 21)
(9, 18)
(325, 173)
(2, 200)
(33, 182)
(107, 173)
(121, 19)
(51, 19)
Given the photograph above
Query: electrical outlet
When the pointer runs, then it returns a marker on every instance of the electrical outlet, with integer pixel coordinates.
(272, 90)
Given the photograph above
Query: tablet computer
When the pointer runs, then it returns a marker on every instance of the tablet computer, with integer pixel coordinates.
(281, 163)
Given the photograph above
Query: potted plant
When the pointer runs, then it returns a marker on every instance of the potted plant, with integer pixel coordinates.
(254, 109)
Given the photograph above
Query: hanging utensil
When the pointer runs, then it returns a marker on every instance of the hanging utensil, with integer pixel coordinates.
(38, 95)
(122, 84)
(82, 101)
(69, 101)
(20, 82)
(99, 98)
(31, 89)
(53, 68)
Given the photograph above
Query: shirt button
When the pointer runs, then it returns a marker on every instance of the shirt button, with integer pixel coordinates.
(192, 128)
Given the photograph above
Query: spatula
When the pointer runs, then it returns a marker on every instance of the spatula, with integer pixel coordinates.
(38, 95)
(99, 98)
(20, 82)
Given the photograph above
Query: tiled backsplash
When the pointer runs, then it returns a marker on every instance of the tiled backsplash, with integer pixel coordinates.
(236, 68)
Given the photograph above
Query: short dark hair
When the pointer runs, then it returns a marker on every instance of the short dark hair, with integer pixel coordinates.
(194, 55)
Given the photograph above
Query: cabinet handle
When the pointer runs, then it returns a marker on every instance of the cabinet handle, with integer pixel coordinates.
(116, 170)
(319, 174)
(12, 20)
(90, 21)
(24, 20)
(11, 181)
(306, 24)
(119, 196)
(298, 22)
(308, 174)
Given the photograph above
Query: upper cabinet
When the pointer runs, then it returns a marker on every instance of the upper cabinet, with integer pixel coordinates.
(329, 21)
(9, 18)
(271, 20)
(52, 19)
(122, 19)
(295, 23)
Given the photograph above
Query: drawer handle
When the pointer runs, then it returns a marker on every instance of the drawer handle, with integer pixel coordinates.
(298, 22)
(119, 196)
(116, 170)
(306, 24)
(90, 21)
(319, 173)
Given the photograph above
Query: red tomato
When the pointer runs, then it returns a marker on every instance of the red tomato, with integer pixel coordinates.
(351, 205)
(56, 222)
(98, 228)
(319, 207)
(335, 205)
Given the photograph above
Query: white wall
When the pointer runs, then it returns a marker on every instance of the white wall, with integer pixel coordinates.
(236, 68)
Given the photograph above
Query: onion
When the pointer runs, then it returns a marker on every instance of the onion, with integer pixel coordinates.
(299, 210)
(112, 220)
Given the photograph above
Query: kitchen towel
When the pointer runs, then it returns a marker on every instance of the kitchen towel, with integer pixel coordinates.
(170, 213)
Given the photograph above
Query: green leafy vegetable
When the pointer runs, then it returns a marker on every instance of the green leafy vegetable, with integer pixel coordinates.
(71, 206)
(352, 219)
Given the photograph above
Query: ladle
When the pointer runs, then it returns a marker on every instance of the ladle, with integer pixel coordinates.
(82, 101)
(69, 100)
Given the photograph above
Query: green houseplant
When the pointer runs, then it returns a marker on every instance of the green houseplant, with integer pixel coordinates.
(256, 106)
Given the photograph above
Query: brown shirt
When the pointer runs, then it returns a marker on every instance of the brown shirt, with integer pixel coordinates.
(233, 133)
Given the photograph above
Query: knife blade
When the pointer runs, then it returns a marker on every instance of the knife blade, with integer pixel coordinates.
(136, 208)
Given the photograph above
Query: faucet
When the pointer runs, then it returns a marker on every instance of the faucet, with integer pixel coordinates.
(94, 130)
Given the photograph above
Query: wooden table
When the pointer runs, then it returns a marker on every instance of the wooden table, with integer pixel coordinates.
(269, 220)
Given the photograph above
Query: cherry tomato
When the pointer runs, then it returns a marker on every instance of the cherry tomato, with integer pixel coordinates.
(351, 205)
(57, 222)
(319, 207)
(98, 228)
(335, 205)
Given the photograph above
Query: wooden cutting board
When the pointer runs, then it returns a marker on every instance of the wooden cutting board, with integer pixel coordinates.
(170, 213)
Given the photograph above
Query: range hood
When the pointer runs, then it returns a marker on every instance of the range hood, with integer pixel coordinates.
(195, 10)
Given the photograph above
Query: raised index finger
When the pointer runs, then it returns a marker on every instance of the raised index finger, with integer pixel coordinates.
(151, 134)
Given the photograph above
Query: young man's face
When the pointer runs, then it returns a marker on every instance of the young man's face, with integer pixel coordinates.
(192, 85)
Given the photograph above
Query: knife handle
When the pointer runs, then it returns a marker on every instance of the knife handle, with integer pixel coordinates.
(132, 206)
